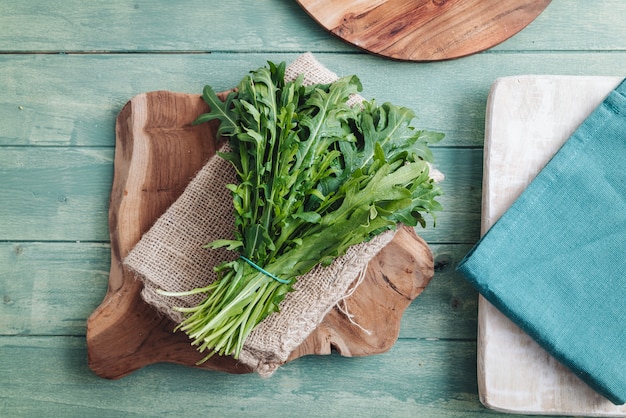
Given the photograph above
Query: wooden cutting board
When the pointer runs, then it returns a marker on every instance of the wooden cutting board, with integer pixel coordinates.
(528, 119)
(424, 30)
(158, 151)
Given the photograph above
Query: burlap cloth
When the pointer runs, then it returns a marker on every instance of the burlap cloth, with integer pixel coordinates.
(170, 256)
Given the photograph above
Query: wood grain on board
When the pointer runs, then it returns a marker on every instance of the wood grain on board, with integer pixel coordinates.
(424, 30)
(158, 151)
(528, 119)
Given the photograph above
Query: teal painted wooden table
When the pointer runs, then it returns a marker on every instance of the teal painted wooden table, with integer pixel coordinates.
(66, 70)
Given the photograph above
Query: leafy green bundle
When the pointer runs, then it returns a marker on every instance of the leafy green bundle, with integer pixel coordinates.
(316, 176)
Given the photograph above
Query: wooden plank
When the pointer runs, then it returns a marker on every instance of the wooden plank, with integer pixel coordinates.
(161, 26)
(416, 378)
(529, 119)
(67, 189)
(562, 26)
(143, 25)
(51, 289)
(40, 108)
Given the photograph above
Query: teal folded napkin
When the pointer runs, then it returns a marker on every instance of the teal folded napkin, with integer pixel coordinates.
(555, 262)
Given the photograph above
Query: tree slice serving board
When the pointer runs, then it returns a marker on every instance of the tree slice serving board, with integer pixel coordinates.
(528, 119)
(424, 30)
(158, 151)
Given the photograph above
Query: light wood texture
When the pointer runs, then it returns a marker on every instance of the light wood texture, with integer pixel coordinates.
(81, 200)
(424, 30)
(416, 378)
(263, 26)
(528, 119)
(42, 112)
(158, 151)
(35, 301)
(67, 69)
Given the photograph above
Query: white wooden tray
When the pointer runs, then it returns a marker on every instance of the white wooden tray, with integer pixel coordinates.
(528, 119)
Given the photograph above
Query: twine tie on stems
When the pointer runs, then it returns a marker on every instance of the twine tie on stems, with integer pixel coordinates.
(262, 270)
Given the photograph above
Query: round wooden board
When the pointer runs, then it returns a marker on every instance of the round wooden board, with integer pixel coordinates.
(424, 30)
(158, 151)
